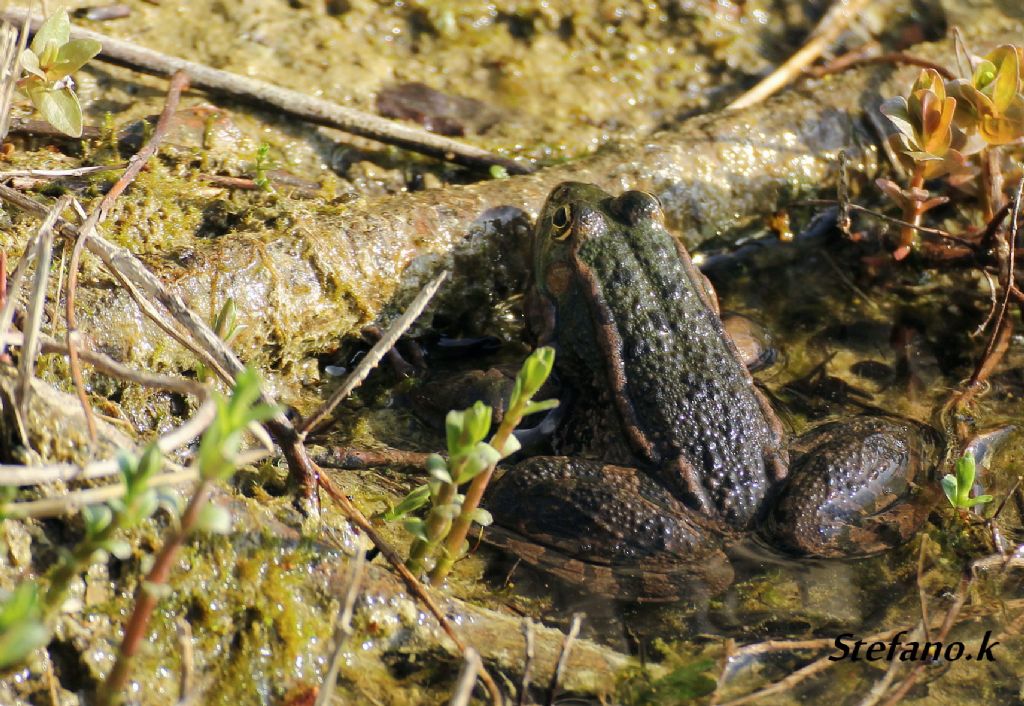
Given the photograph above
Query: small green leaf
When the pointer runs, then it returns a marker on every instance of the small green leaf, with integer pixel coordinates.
(949, 488)
(213, 519)
(542, 406)
(30, 62)
(19, 640)
(980, 500)
(440, 473)
(96, 518)
(117, 547)
(454, 423)
(482, 517)
(965, 472)
(412, 502)
(71, 57)
(56, 29)
(19, 605)
(226, 319)
(59, 107)
(477, 422)
(511, 446)
(416, 527)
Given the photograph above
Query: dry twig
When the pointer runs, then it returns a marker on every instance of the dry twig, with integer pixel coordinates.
(826, 32)
(343, 629)
(34, 317)
(563, 656)
(285, 101)
(379, 350)
(471, 666)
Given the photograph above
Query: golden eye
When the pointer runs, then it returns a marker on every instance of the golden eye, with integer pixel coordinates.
(560, 222)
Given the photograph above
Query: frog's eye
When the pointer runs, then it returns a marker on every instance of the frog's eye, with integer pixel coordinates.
(636, 206)
(560, 222)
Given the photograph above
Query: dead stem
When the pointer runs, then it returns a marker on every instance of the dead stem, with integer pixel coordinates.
(563, 656)
(947, 625)
(1002, 328)
(827, 31)
(471, 665)
(858, 58)
(528, 655)
(179, 82)
(356, 517)
(71, 503)
(922, 597)
(286, 101)
(343, 629)
(59, 173)
(34, 316)
(371, 359)
(10, 50)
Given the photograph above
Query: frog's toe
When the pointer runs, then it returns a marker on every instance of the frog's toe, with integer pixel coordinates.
(856, 487)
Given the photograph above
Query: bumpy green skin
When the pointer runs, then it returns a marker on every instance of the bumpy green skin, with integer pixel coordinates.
(657, 384)
(632, 320)
(848, 490)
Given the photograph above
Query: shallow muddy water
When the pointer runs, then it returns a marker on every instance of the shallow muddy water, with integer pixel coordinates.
(553, 81)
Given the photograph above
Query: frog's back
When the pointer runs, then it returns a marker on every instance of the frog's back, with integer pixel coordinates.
(688, 404)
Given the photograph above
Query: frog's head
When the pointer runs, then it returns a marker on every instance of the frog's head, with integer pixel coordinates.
(581, 231)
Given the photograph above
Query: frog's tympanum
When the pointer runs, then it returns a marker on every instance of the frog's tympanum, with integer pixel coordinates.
(669, 449)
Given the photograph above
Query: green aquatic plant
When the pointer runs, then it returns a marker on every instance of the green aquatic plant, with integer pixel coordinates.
(261, 166)
(226, 326)
(440, 535)
(49, 62)
(27, 613)
(958, 487)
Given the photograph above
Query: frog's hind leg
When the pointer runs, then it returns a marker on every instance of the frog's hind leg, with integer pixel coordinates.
(611, 528)
(856, 487)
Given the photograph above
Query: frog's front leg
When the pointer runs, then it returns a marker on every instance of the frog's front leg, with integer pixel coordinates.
(856, 487)
(609, 527)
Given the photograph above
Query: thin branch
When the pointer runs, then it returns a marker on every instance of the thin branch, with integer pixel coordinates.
(71, 503)
(34, 317)
(827, 31)
(471, 665)
(915, 673)
(13, 475)
(179, 82)
(524, 684)
(343, 630)
(563, 656)
(58, 173)
(286, 101)
(10, 49)
(854, 58)
(186, 680)
(379, 350)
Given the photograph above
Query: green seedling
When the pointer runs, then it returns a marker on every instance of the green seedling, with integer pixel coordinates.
(262, 166)
(226, 326)
(48, 64)
(958, 487)
(440, 534)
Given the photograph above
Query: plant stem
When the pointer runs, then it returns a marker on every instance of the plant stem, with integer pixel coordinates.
(146, 597)
(911, 214)
(460, 526)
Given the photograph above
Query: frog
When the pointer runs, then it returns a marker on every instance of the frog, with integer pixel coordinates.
(667, 452)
